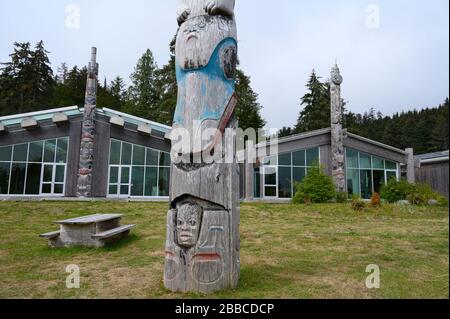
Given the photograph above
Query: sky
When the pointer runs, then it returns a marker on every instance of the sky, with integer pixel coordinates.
(393, 55)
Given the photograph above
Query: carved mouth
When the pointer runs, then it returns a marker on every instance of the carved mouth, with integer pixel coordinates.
(185, 237)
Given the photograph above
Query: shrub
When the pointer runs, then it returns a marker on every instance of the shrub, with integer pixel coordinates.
(375, 200)
(417, 194)
(358, 204)
(395, 191)
(317, 187)
(341, 197)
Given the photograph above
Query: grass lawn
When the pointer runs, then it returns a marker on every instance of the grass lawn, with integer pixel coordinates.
(318, 251)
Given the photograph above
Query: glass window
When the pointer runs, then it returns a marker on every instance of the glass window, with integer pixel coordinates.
(20, 153)
(114, 153)
(378, 163)
(48, 174)
(151, 181)
(164, 180)
(285, 159)
(124, 190)
(298, 174)
(152, 157)
(5, 153)
(35, 153)
(285, 182)
(139, 171)
(58, 189)
(4, 177)
(17, 178)
(365, 161)
(137, 181)
(125, 175)
(353, 183)
(366, 184)
(270, 191)
(164, 159)
(114, 175)
(138, 155)
(270, 176)
(61, 150)
(299, 158)
(46, 188)
(352, 159)
(113, 189)
(312, 157)
(391, 165)
(378, 180)
(33, 179)
(126, 154)
(391, 175)
(59, 173)
(49, 151)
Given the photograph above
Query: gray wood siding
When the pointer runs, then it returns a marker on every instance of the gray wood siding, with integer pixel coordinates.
(435, 175)
(73, 160)
(374, 150)
(101, 159)
(46, 130)
(325, 159)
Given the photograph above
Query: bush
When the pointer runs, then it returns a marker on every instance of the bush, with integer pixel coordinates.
(375, 200)
(358, 204)
(317, 187)
(416, 194)
(341, 197)
(395, 191)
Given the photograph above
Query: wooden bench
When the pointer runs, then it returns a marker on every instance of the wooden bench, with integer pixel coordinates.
(51, 235)
(122, 230)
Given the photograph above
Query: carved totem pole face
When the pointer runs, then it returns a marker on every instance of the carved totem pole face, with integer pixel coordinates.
(188, 224)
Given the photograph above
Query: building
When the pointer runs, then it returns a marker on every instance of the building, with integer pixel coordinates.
(102, 153)
(433, 170)
(40, 154)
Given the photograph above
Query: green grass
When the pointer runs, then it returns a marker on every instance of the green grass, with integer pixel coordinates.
(287, 251)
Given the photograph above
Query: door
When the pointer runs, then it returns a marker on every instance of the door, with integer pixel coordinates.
(119, 181)
(53, 179)
(270, 182)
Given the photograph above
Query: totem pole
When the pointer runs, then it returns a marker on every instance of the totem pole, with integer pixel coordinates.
(84, 186)
(337, 133)
(202, 247)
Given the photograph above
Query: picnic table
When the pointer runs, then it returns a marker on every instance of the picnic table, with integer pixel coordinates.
(90, 231)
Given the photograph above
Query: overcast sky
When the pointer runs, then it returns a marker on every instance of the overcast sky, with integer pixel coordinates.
(393, 54)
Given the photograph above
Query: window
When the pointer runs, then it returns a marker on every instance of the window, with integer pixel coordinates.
(280, 172)
(137, 171)
(35, 168)
(367, 173)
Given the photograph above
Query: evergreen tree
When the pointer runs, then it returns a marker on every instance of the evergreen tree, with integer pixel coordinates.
(26, 82)
(248, 109)
(316, 112)
(142, 92)
(167, 89)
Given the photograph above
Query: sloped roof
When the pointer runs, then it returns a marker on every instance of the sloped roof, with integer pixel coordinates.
(432, 156)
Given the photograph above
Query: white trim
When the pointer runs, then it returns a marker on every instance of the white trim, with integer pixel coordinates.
(31, 114)
(435, 160)
(125, 115)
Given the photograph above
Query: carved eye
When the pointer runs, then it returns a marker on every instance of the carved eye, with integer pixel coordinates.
(179, 222)
(193, 223)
